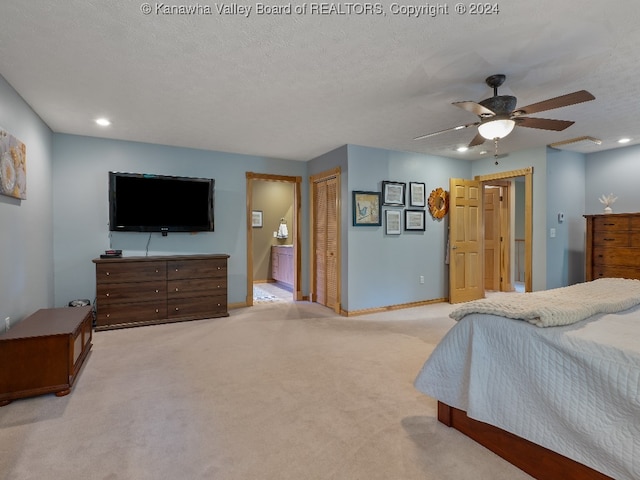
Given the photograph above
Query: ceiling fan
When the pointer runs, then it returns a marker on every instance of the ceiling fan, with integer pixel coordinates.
(498, 114)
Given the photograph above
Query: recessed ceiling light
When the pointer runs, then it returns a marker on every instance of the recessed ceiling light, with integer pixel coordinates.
(624, 140)
(103, 122)
(462, 149)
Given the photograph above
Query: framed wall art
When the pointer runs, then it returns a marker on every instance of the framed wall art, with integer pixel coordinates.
(393, 193)
(414, 220)
(13, 166)
(366, 209)
(392, 222)
(417, 196)
(256, 218)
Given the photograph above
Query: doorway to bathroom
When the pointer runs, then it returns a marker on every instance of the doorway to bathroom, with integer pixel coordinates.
(273, 238)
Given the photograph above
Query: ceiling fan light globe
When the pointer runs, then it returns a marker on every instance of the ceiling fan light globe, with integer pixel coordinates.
(499, 128)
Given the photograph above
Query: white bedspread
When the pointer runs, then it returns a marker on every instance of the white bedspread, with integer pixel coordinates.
(559, 306)
(574, 389)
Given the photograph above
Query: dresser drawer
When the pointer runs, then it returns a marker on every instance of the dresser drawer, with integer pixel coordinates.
(616, 256)
(179, 269)
(131, 313)
(601, 271)
(194, 287)
(612, 238)
(197, 307)
(611, 223)
(111, 293)
(130, 272)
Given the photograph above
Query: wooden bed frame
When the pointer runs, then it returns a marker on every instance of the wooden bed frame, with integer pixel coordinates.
(537, 461)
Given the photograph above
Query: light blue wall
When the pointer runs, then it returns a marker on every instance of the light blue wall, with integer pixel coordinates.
(80, 215)
(565, 194)
(384, 269)
(613, 171)
(26, 242)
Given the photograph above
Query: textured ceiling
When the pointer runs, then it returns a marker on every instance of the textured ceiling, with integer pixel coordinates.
(296, 86)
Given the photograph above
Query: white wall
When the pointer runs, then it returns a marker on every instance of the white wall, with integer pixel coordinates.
(26, 273)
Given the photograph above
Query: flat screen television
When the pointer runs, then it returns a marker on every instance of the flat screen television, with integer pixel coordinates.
(140, 202)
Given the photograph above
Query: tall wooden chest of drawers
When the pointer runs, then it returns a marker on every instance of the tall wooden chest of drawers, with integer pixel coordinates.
(134, 291)
(613, 246)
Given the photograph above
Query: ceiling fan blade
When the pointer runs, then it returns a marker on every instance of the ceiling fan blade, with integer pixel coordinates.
(543, 123)
(557, 102)
(477, 140)
(475, 108)
(459, 127)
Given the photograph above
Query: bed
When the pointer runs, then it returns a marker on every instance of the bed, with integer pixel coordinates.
(548, 380)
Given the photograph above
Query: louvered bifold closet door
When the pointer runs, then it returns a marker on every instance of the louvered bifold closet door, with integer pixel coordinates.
(332, 243)
(320, 235)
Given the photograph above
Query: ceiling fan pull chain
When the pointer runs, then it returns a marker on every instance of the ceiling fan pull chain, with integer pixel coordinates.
(495, 155)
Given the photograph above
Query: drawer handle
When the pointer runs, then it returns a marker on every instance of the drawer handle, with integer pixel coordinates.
(176, 269)
(157, 270)
(608, 239)
(219, 268)
(157, 290)
(108, 274)
(176, 289)
(610, 224)
(157, 310)
(106, 295)
(218, 304)
(177, 309)
(108, 315)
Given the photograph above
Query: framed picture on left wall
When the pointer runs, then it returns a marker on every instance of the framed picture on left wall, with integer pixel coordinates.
(13, 166)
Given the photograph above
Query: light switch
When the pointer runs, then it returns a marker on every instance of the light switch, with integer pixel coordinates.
(552, 233)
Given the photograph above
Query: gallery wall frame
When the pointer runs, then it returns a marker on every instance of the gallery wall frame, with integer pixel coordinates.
(393, 193)
(366, 209)
(417, 194)
(414, 220)
(392, 222)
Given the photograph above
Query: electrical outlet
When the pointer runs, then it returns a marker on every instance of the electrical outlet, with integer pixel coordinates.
(552, 233)
(7, 323)
(421, 279)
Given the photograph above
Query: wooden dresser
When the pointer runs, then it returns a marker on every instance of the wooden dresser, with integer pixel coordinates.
(282, 264)
(613, 246)
(44, 352)
(135, 291)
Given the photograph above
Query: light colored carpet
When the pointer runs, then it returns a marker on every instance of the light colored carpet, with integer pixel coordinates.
(280, 391)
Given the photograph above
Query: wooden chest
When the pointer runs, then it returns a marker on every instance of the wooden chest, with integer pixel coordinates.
(44, 352)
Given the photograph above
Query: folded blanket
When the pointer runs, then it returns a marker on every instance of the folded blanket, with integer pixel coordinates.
(559, 306)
